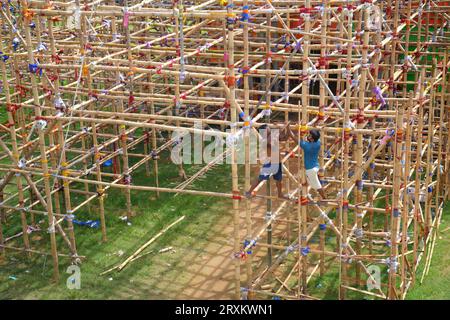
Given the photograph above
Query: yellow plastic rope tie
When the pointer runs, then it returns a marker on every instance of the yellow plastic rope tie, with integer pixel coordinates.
(303, 128)
(28, 14)
(85, 70)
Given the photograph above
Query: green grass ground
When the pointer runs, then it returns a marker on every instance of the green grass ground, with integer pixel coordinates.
(437, 283)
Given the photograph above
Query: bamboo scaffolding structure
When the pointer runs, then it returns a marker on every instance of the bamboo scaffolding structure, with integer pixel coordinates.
(97, 92)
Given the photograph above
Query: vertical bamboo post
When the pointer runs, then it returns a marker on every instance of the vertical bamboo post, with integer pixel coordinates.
(429, 161)
(303, 191)
(84, 41)
(122, 128)
(59, 137)
(247, 146)
(2, 240)
(446, 94)
(267, 80)
(406, 165)
(286, 120)
(395, 215)
(20, 115)
(234, 169)
(42, 148)
(15, 150)
(178, 102)
(321, 115)
(343, 281)
(341, 85)
(359, 138)
(445, 100)
(439, 165)
(100, 190)
(114, 104)
(407, 45)
(154, 144)
(418, 172)
(98, 174)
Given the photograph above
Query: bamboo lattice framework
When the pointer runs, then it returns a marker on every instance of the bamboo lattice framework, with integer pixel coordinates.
(89, 83)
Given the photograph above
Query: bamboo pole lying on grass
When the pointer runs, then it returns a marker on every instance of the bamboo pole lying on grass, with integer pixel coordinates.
(121, 266)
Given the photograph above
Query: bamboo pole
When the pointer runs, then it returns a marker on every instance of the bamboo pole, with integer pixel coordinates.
(2, 220)
(121, 266)
(42, 148)
(395, 213)
(247, 141)
(15, 154)
(406, 164)
(418, 217)
(345, 140)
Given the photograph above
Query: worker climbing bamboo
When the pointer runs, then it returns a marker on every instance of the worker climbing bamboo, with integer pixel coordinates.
(311, 149)
(271, 160)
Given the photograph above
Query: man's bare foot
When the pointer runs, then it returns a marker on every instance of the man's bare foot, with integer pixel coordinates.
(250, 195)
(322, 193)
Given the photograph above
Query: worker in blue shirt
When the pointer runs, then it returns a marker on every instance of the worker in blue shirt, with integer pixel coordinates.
(311, 149)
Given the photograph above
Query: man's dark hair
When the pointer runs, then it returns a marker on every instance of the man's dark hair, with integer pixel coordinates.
(315, 134)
